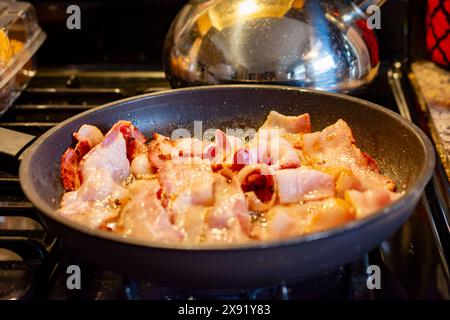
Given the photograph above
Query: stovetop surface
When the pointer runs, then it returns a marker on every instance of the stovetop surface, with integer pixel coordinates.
(33, 264)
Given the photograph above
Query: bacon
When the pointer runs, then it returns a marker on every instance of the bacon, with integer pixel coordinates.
(285, 221)
(190, 178)
(188, 218)
(140, 166)
(160, 149)
(327, 214)
(110, 155)
(69, 170)
(241, 159)
(229, 203)
(285, 182)
(191, 147)
(368, 202)
(345, 180)
(87, 137)
(187, 183)
(143, 217)
(96, 201)
(195, 148)
(289, 128)
(228, 220)
(288, 124)
(221, 152)
(225, 148)
(303, 184)
(102, 171)
(134, 139)
(271, 149)
(335, 147)
(259, 186)
(281, 222)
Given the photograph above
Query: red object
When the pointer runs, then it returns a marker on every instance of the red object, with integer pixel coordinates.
(371, 40)
(438, 31)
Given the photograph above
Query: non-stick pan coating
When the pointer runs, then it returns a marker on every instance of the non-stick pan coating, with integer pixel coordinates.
(403, 152)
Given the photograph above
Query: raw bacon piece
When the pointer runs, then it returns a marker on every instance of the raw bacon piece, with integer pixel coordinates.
(225, 148)
(370, 201)
(103, 169)
(335, 147)
(285, 221)
(192, 147)
(110, 155)
(143, 217)
(188, 218)
(87, 137)
(228, 220)
(190, 178)
(187, 183)
(289, 128)
(134, 139)
(140, 166)
(288, 124)
(160, 149)
(259, 186)
(345, 180)
(328, 214)
(229, 204)
(303, 184)
(69, 170)
(241, 159)
(271, 149)
(96, 201)
(282, 221)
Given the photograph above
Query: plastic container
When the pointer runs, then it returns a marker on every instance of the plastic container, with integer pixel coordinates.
(20, 37)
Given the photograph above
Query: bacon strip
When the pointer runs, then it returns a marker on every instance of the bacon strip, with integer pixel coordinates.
(370, 201)
(190, 179)
(271, 149)
(87, 137)
(228, 219)
(96, 201)
(284, 221)
(288, 124)
(69, 170)
(303, 184)
(101, 173)
(160, 149)
(110, 155)
(259, 186)
(144, 217)
(134, 139)
(335, 147)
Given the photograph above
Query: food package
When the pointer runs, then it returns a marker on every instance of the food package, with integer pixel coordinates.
(20, 38)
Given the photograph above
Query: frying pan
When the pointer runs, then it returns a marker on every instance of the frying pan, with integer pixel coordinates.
(403, 152)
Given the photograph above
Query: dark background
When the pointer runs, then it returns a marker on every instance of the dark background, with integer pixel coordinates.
(132, 32)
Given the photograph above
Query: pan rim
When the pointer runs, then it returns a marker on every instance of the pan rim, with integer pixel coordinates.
(411, 196)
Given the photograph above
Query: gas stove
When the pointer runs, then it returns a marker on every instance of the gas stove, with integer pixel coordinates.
(33, 263)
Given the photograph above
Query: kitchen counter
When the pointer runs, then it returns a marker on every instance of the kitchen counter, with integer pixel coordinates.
(432, 84)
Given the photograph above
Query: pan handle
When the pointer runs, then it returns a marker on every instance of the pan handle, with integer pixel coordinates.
(13, 143)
